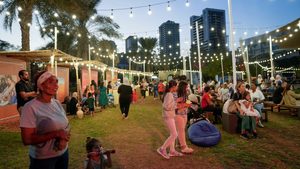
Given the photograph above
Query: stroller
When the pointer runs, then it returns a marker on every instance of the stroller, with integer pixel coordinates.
(110, 98)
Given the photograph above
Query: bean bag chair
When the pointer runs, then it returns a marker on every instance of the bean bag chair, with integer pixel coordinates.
(204, 134)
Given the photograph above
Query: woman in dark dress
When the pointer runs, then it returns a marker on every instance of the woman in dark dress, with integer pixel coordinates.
(73, 104)
(125, 91)
(109, 87)
(277, 95)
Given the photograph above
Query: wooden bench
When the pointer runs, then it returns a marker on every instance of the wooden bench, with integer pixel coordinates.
(265, 116)
(270, 104)
(292, 108)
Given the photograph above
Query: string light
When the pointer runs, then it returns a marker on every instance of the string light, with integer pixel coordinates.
(1, 3)
(187, 3)
(19, 8)
(149, 10)
(73, 16)
(169, 7)
(112, 14)
(131, 14)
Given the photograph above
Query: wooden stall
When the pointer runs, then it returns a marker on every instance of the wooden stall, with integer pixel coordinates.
(11, 62)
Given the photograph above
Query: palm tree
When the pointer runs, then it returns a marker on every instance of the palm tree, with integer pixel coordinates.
(6, 46)
(24, 9)
(86, 28)
(146, 48)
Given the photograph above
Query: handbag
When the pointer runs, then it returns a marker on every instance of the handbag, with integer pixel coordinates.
(232, 107)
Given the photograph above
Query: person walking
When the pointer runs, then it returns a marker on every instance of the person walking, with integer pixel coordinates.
(168, 114)
(143, 87)
(181, 116)
(125, 98)
(45, 127)
(155, 89)
(161, 89)
(109, 87)
(93, 90)
(103, 101)
(24, 90)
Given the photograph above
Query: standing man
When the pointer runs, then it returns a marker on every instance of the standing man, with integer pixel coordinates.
(24, 90)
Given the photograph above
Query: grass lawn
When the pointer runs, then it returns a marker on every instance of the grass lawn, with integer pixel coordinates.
(137, 138)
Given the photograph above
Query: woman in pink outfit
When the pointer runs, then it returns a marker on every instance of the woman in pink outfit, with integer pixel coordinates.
(169, 106)
(181, 116)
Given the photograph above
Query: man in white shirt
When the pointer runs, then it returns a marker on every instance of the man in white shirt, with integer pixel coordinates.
(257, 98)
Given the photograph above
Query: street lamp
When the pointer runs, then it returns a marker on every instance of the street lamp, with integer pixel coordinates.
(90, 76)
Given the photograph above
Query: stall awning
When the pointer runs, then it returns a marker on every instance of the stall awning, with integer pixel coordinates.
(39, 55)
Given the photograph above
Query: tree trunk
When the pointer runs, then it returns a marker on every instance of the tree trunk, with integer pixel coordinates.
(26, 17)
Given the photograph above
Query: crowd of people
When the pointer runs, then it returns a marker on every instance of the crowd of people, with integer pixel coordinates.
(45, 127)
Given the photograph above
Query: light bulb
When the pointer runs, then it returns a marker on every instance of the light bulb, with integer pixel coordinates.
(187, 3)
(169, 7)
(112, 14)
(131, 14)
(149, 10)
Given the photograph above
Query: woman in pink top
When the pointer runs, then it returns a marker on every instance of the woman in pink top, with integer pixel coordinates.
(169, 106)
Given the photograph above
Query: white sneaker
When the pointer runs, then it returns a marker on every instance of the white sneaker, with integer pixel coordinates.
(260, 124)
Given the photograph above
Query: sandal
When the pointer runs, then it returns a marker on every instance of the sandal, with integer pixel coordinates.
(175, 154)
(187, 150)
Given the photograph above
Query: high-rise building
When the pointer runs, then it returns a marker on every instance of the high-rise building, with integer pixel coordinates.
(169, 39)
(131, 44)
(212, 28)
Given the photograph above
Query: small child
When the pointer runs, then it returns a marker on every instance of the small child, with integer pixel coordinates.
(134, 96)
(83, 104)
(91, 103)
(97, 157)
(247, 107)
(194, 112)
